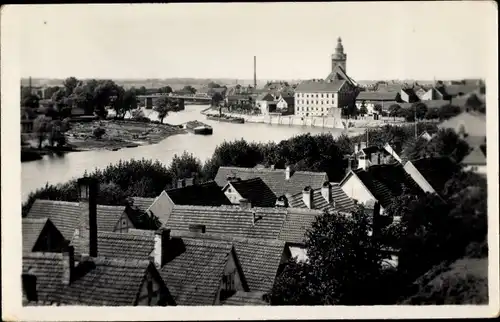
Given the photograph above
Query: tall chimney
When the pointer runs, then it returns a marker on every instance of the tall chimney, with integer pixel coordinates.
(255, 71)
(307, 197)
(326, 191)
(162, 236)
(88, 188)
(68, 262)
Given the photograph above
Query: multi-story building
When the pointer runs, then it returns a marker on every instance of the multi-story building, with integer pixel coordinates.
(327, 97)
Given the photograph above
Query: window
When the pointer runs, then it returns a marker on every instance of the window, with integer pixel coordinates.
(321, 95)
(229, 190)
(321, 102)
(228, 282)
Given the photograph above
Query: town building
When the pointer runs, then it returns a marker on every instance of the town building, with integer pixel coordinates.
(327, 97)
(431, 174)
(285, 104)
(469, 122)
(41, 235)
(280, 181)
(265, 102)
(378, 185)
(251, 192)
(370, 100)
(327, 198)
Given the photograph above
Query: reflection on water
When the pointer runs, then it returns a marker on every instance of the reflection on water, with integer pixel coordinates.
(57, 169)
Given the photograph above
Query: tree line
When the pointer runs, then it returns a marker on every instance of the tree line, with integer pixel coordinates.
(346, 252)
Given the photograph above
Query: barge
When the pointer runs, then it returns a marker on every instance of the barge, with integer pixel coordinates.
(197, 127)
(225, 118)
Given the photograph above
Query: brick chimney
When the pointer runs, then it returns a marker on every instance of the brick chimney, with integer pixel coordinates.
(88, 189)
(326, 191)
(162, 236)
(245, 203)
(307, 197)
(189, 181)
(68, 262)
(181, 183)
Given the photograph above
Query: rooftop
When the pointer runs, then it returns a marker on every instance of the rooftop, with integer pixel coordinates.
(319, 86)
(247, 298)
(437, 171)
(377, 96)
(32, 229)
(342, 201)
(275, 179)
(205, 194)
(256, 191)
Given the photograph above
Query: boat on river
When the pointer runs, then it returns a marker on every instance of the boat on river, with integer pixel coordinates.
(197, 127)
(226, 118)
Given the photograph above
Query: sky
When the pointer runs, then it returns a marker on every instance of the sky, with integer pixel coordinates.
(383, 40)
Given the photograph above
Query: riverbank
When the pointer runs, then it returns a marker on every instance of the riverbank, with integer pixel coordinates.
(311, 121)
(119, 134)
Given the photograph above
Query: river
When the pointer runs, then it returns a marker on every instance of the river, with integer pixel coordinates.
(54, 169)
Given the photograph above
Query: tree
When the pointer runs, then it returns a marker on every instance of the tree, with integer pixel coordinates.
(189, 89)
(56, 130)
(474, 103)
(213, 85)
(394, 110)
(216, 99)
(378, 108)
(40, 127)
(125, 101)
(163, 106)
(70, 84)
(363, 110)
(185, 166)
(448, 111)
(31, 101)
(165, 90)
(420, 110)
(432, 114)
(343, 267)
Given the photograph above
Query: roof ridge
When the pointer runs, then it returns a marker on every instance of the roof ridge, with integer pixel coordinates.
(74, 203)
(42, 255)
(223, 237)
(35, 220)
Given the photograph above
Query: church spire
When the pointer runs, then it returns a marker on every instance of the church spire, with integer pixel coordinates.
(339, 58)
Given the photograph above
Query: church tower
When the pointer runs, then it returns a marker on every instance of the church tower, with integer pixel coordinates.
(339, 58)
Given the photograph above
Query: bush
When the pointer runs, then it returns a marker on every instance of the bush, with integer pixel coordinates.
(98, 132)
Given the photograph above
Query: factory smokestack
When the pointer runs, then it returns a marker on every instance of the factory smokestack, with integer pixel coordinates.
(255, 71)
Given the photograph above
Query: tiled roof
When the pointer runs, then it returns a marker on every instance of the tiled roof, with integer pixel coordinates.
(377, 96)
(98, 282)
(342, 201)
(32, 229)
(205, 194)
(246, 298)
(319, 86)
(231, 220)
(296, 224)
(437, 171)
(454, 90)
(143, 203)
(475, 157)
(194, 275)
(265, 97)
(256, 191)
(134, 245)
(65, 215)
(259, 258)
(275, 179)
(386, 181)
(428, 103)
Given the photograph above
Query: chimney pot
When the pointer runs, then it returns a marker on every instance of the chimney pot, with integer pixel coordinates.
(68, 261)
(288, 172)
(162, 236)
(245, 203)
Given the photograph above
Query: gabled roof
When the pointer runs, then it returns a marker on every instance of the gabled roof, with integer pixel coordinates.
(137, 244)
(205, 194)
(98, 281)
(65, 215)
(231, 220)
(247, 299)
(143, 203)
(32, 228)
(265, 97)
(456, 89)
(342, 201)
(386, 181)
(436, 171)
(475, 157)
(254, 190)
(474, 123)
(259, 258)
(296, 224)
(377, 96)
(339, 74)
(319, 86)
(195, 273)
(274, 178)
(289, 100)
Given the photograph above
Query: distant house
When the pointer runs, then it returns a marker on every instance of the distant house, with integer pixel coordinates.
(285, 104)
(253, 191)
(265, 102)
(328, 197)
(238, 99)
(408, 95)
(394, 150)
(470, 123)
(367, 156)
(431, 174)
(378, 185)
(280, 181)
(455, 90)
(434, 94)
(372, 99)
(248, 299)
(40, 235)
(428, 134)
(476, 161)
(62, 279)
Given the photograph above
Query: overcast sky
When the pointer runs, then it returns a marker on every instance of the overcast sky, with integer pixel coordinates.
(384, 40)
